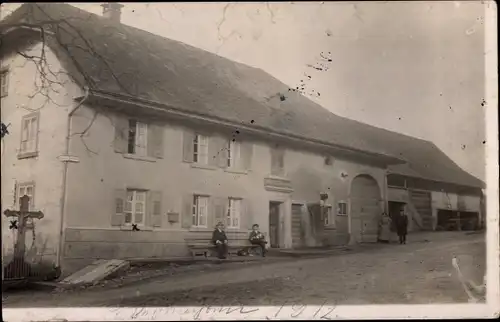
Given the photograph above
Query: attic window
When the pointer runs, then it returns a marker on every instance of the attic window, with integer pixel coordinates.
(328, 160)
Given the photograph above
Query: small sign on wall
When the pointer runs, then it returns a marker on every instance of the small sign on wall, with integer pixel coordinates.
(173, 217)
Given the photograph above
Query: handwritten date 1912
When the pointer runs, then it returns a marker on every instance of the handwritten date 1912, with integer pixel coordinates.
(324, 312)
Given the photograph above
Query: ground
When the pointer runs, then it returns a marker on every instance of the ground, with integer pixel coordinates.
(419, 272)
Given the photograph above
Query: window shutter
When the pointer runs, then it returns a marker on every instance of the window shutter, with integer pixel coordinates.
(118, 215)
(16, 187)
(37, 133)
(223, 152)
(188, 139)
(187, 211)
(246, 155)
(32, 201)
(121, 134)
(214, 147)
(247, 218)
(154, 208)
(219, 211)
(155, 141)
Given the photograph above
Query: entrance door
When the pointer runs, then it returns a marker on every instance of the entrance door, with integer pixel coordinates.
(297, 229)
(274, 224)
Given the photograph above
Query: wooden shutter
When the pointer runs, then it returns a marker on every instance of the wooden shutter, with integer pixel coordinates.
(187, 211)
(246, 153)
(37, 131)
(155, 141)
(247, 216)
(187, 142)
(32, 201)
(214, 146)
(223, 152)
(118, 216)
(121, 134)
(154, 208)
(16, 192)
(219, 211)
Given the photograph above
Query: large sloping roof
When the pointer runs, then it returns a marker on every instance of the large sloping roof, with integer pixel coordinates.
(126, 60)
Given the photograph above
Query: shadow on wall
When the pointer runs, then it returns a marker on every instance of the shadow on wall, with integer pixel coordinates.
(307, 185)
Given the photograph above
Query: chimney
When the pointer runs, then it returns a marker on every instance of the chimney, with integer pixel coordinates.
(112, 11)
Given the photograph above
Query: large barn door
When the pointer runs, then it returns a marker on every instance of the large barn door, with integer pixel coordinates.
(365, 209)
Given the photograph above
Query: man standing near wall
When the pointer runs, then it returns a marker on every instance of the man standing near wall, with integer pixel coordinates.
(402, 226)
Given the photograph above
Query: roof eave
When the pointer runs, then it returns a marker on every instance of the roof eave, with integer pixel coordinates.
(438, 181)
(385, 159)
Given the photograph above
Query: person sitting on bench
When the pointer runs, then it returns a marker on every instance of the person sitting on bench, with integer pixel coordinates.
(257, 238)
(219, 239)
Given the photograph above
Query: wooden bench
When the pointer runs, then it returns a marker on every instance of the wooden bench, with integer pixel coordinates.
(200, 243)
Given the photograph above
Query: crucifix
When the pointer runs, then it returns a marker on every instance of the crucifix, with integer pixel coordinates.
(22, 215)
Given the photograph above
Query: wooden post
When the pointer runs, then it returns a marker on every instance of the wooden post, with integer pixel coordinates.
(458, 221)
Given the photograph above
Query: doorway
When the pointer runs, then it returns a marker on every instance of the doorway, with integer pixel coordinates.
(365, 209)
(274, 224)
(298, 233)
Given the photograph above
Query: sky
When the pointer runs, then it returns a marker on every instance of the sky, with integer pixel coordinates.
(417, 68)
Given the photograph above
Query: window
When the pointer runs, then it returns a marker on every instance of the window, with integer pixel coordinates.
(278, 161)
(27, 189)
(329, 219)
(29, 133)
(137, 138)
(4, 83)
(200, 149)
(135, 207)
(396, 181)
(233, 213)
(233, 153)
(342, 210)
(200, 211)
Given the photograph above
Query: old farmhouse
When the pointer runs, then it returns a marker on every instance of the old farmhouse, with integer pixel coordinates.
(140, 141)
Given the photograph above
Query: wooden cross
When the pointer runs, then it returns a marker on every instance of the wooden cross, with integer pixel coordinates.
(23, 214)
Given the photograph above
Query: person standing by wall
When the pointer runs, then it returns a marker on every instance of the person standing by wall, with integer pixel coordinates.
(384, 229)
(402, 226)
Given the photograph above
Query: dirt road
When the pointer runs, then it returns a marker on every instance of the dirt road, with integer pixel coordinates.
(407, 274)
(416, 273)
